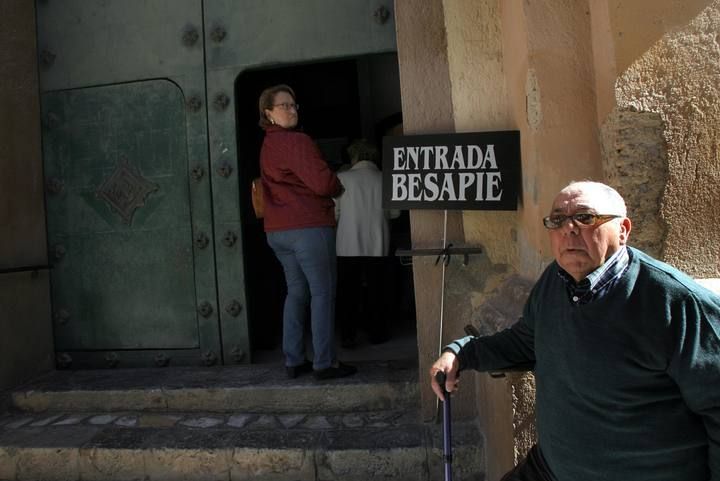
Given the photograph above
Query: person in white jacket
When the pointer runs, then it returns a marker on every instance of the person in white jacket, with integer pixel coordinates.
(362, 246)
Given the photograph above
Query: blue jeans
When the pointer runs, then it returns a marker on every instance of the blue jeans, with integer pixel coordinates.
(308, 259)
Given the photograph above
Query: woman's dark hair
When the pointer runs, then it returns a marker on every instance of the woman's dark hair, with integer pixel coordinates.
(267, 99)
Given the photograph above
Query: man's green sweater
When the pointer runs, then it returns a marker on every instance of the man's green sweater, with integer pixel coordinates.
(628, 386)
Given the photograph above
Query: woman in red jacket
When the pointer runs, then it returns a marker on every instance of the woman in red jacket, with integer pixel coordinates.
(299, 218)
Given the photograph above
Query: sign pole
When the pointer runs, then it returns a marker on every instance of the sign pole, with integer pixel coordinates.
(442, 283)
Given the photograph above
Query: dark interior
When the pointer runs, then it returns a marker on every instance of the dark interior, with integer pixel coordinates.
(339, 101)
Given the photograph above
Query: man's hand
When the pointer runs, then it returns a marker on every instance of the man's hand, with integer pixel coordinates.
(448, 364)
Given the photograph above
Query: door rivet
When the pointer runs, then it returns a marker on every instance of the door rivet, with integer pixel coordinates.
(47, 58)
(229, 238)
(54, 186)
(208, 358)
(233, 308)
(237, 353)
(111, 359)
(221, 102)
(224, 170)
(205, 309)
(197, 173)
(61, 316)
(161, 360)
(190, 36)
(381, 15)
(63, 360)
(51, 121)
(218, 34)
(201, 240)
(59, 252)
(194, 103)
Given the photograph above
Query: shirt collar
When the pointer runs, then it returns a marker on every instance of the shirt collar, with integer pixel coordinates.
(364, 164)
(612, 267)
(272, 128)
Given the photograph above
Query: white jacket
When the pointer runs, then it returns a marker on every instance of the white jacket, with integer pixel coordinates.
(362, 228)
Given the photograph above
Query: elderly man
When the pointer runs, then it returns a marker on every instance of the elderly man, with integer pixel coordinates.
(626, 352)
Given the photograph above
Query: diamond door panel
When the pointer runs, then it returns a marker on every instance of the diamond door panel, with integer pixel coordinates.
(119, 218)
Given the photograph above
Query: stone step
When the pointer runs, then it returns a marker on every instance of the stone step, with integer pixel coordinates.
(168, 446)
(256, 388)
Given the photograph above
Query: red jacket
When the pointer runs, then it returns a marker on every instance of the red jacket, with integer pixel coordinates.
(298, 185)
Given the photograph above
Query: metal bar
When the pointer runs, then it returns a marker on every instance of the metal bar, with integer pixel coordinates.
(437, 252)
(442, 283)
(444, 254)
(12, 270)
(447, 427)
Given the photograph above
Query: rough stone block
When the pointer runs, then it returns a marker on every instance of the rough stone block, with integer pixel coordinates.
(272, 465)
(187, 464)
(7, 465)
(400, 464)
(48, 464)
(111, 464)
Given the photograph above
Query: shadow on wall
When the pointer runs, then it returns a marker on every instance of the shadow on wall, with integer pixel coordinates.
(657, 18)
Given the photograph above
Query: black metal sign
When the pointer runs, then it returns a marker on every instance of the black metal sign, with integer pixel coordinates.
(467, 171)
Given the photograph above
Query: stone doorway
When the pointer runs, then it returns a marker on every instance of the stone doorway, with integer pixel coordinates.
(341, 100)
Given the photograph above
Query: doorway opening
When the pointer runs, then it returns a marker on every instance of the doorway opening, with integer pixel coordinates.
(341, 101)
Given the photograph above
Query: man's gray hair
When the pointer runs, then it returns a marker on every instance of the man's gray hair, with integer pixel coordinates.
(613, 197)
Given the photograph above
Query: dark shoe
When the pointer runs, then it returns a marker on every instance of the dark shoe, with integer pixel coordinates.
(295, 371)
(333, 372)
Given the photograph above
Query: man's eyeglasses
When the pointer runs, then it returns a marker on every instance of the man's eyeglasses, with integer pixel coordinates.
(580, 219)
(288, 106)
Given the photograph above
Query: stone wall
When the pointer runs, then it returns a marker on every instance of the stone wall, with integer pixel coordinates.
(676, 80)
(616, 91)
(25, 330)
(635, 162)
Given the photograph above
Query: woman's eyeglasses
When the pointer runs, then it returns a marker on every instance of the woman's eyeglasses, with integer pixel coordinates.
(288, 106)
(580, 219)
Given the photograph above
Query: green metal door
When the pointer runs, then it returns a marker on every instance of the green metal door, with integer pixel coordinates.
(142, 176)
(128, 185)
(120, 225)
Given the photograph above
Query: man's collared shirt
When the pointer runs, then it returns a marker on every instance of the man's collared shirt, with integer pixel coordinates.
(598, 282)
